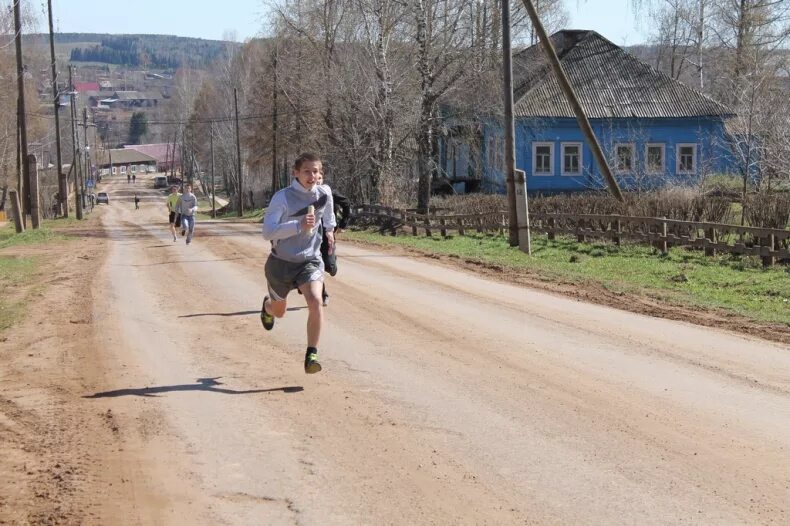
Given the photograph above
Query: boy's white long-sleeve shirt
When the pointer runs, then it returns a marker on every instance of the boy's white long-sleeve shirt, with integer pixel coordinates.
(283, 220)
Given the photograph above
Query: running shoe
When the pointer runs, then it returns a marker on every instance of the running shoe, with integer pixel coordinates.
(311, 365)
(326, 300)
(267, 319)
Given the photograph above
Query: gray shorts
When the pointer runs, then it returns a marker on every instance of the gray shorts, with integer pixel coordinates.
(283, 276)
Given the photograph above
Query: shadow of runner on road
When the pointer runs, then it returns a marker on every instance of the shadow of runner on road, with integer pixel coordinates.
(203, 384)
(240, 313)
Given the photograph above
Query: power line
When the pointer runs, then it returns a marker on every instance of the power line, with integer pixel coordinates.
(212, 120)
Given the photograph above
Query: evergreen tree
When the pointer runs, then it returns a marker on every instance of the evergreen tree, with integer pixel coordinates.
(137, 127)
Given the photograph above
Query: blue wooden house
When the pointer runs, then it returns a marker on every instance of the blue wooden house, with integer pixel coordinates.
(654, 130)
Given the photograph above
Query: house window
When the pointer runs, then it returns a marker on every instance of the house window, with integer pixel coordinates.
(687, 158)
(624, 157)
(571, 158)
(542, 158)
(123, 169)
(654, 158)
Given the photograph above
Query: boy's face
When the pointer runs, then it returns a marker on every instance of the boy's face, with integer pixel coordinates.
(308, 173)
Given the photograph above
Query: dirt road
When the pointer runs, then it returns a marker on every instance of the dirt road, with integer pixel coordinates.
(445, 398)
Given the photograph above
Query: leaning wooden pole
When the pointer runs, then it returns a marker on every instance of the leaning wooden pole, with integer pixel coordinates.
(16, 211)
(63, 184)
(573, 100)
(21, 112)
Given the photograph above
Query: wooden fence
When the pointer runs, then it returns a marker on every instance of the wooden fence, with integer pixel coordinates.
(769, 244)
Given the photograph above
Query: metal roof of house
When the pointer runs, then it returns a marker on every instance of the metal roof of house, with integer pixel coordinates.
(123, 156)
(134, 95)
(162, 152)
(609, 82)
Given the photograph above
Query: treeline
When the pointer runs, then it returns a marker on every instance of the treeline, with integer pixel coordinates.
(156, 51)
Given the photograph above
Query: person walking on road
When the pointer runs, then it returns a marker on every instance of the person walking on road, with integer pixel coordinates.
(136, 202)
(134, 178)
(173, 216)
(295, 262)
(128, 178)
(342, 211)
(187, 206)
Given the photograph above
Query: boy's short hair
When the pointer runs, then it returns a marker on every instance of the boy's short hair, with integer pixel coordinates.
(307, 157)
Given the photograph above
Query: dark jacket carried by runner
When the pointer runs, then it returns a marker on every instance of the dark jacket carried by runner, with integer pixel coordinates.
(342, 210)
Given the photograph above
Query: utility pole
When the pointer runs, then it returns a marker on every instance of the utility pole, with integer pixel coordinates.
(75, 145)
(63, 184)
(510, 139)
(238, 151)
(21, 113)
(213, 188)
(87, 158)
(573, 100)
(275, 175)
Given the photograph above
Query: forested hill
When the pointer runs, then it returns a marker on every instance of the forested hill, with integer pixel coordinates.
(152, 51)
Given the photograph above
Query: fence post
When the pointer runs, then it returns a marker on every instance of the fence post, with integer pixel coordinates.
(16, 211)
(414, 225)
(580, 237)
(663, 243)
(552, 225)
(479, 221)
(768, 261)
(460, 222)
(710, 234)
(443, 230)
(618, 228)
(428, 225)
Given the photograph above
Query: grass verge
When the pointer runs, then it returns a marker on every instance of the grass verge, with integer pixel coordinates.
(18, 273)
(254, 215)
(686, 278)
(9, 237)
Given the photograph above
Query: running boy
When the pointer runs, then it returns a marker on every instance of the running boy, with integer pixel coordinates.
(187, 206)
(173, 216)
(295, 261)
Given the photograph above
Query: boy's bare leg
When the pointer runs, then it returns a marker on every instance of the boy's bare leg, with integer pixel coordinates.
(315, 316)
(276, 308)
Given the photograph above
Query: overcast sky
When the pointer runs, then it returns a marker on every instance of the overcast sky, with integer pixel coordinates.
(614, 19)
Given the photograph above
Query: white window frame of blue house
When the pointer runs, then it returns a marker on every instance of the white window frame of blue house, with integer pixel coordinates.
(678, 159)
(579, 162)
(535, 146)
(650, 169)
(631, 147)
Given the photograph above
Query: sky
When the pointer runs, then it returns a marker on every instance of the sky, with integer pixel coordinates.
(614, 19)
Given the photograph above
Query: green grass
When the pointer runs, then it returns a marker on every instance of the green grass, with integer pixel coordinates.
(736, 284)
(17, 274)
(253, 215)
(14, 272)
(9, 237)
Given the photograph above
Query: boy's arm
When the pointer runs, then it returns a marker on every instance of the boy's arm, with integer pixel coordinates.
(178, 205)
(273, 226)
(328, 218)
